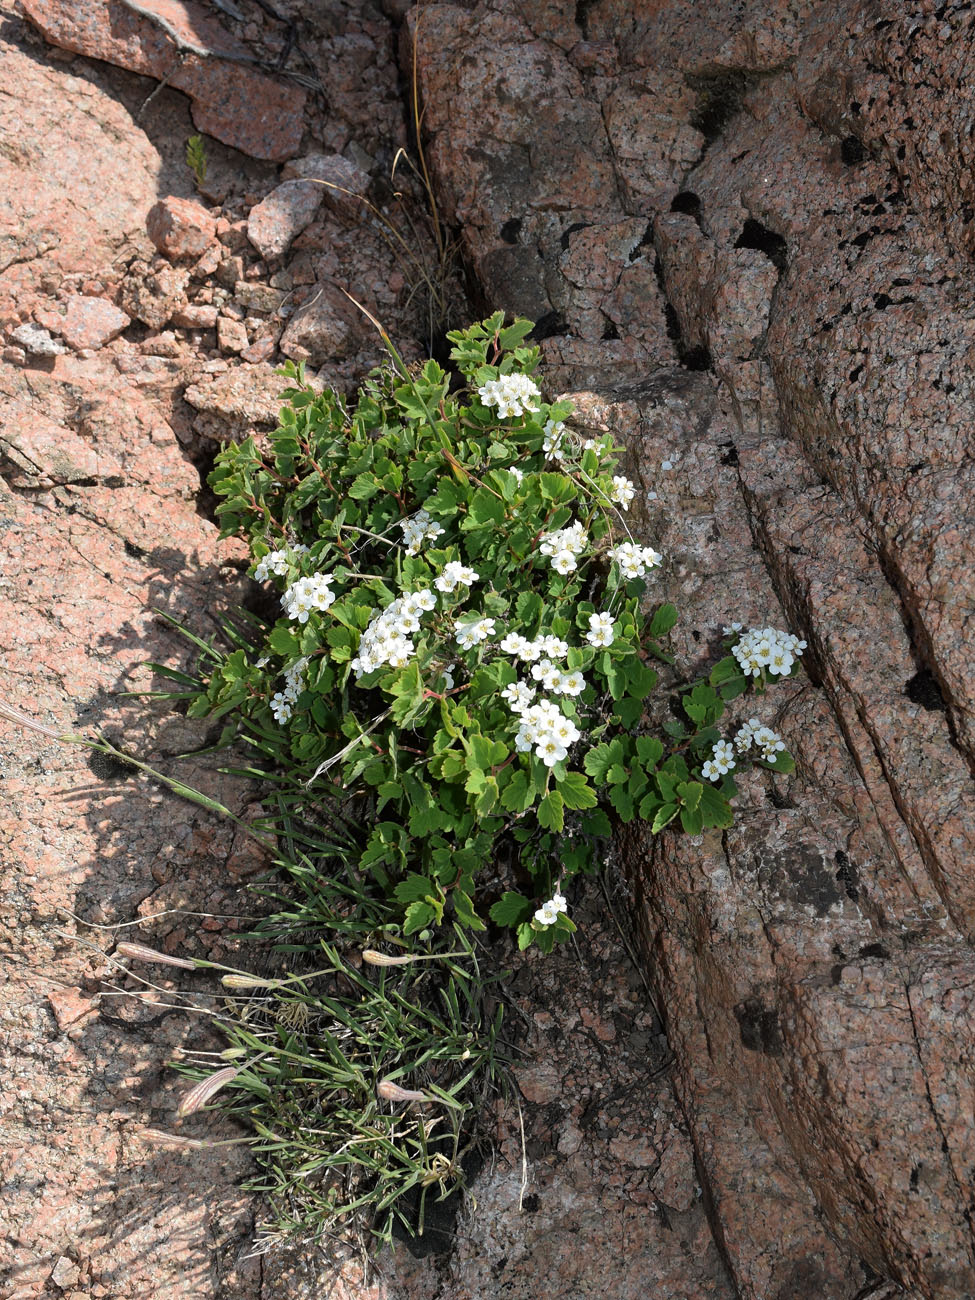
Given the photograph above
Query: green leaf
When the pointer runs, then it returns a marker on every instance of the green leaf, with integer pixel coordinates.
(464, 907)
(415, 887)
(649, 750)
(663, 620)
(510, 338)
(617, 774)
(551, 811)
(283, 641)
(601, 758)
(692, 820)
(363, 487)
(525, 935)
(664, 816)
(576, 791)
(783, 762)
(518, 794)
(690, 793)
(510, 909)
(622, 801)
(418, 917)
(724, 670)
(715, 809)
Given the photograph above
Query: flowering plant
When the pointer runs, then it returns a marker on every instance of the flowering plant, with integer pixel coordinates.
(462, 649)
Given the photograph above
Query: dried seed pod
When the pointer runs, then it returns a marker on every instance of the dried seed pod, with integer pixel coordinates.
(140, 952)
(201, 1092)
(390, 1091)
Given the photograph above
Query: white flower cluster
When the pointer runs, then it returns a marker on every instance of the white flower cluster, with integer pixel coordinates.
(765, 647)
(519, 646)
(418, 529)
(623, 491)
(277, 562)
(282, 704)
(551, 678)
(722, 760)
(563, 546)
(308, 594)
(513, 395)
(516, 473)
(387, 639)
(454, 575)
(634, 561)
(549, 912)
(546, 729)
(767, 740)
(552, 444)
(470, 634)
(600, 630)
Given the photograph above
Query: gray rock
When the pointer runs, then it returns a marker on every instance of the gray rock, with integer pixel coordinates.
(37, 342)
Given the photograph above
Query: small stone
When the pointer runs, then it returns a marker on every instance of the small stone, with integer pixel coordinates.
(69, 1006)
(181, 229)
(65, 1273)
(208, 263)
(14, 356)
(322, 330)
(230, 270)
(196, 316)
(36, 341)
(339, 182)
(153, 297)
(259, 350)
(92, 322)
(275, 221)
(165, 344)
(231, 335)
(258, 297)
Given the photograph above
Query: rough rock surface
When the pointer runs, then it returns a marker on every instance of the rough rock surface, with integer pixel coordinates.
(181, 229)
(809, 236)
(183, 43)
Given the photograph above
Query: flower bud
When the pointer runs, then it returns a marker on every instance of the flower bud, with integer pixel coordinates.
(390, 1091)
(374, 958)
(140, 952)
(201, 1092)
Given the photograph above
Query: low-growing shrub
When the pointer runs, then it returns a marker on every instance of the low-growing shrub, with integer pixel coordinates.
(462, 657)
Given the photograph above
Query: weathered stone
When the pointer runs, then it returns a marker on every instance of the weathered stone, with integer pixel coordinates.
(196, 316)
(322, 330)
(181, 229)
(341, 184)
(237, 400)
(232, 100)
(274, 222)
(91, 322)
(36, 341)
(231, 334)
(153, 297)
(258, 297)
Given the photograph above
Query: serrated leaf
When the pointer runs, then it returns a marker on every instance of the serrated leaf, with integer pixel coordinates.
(715, 809)
(622, 801)
(414, 887)
(664, 816)
(692, 820)
(724, 670)
(690, 793)
(511, 909)
(418, 917)
(519, 329)
(649, 750)
(617, 774)
(551, 812)
(518, 794)
(576, 791)
(464, 907)
(663, 620)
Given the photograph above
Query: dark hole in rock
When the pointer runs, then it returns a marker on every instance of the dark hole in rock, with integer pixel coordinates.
(719, 98)
(108, 768)
(687, 202)
(530, 1203)
(847, 875)
(610, 331)
(582, 15)
(874, 950)
(548, 327)
(881, 301)
(439, 1217)
(510, 231)
(852, 151)
(571, 230)
(755, 235)
(923, 689)
(855, 374)
(730, 455)
(758, 1027)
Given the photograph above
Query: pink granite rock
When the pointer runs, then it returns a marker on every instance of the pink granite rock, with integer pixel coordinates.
(181, 229)
(181, 42)
(91, 322)
(340, 182)
(274, 222)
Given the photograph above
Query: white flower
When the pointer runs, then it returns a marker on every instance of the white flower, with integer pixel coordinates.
(549, 912)
(552, 443)
(454, 575)
(517, 645)
(513, 395)
(554, 647)
(386, 641)
(634, 560)
(417, 529)
(518, 696)
(281, 708)
(448, 677)
(277, 562)
(732, 628)
(590, 444)
(308, 594)
(571, 683)
(722, 760)
(710, 772)
(563, 546)
(623, 491)
(745, 735)
(292, 680)
(518, 474)
(600, 630)
(547, 673)
(548, 730)
(550, 751)
(564, 562)
(472, 634)
(767, 648)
